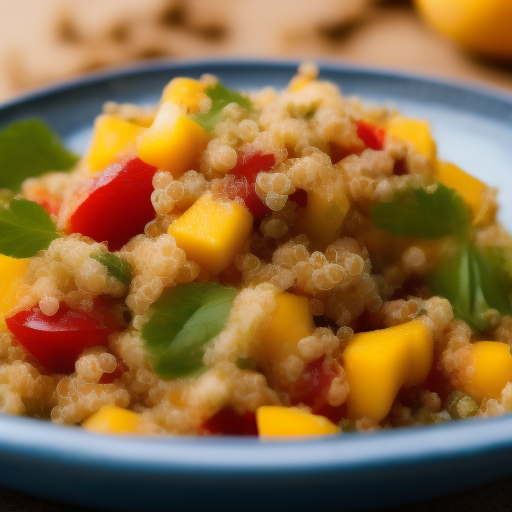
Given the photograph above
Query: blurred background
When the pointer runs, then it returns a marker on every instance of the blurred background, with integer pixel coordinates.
(46, 41)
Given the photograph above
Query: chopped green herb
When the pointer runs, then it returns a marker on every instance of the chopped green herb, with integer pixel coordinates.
(26, 229)
(221, 97)
(28, 149)
(419, 214)
(310, 113)
(473, 285)
(181, 322)
(460, 406)
(5, 196)
(246, 363)
(116, 267)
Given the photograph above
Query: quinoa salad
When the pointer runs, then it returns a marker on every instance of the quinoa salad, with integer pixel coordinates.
(272, 263)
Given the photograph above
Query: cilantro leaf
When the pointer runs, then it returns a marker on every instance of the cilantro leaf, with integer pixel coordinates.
(117, 267)
(423, 215)
(26, 229)
(221, 97)
(182, 321)
(28, 149)
(473, 285)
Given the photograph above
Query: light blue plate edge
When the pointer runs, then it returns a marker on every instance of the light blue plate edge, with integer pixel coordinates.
(443, 444)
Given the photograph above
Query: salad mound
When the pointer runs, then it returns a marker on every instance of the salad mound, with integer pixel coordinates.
(272, 263)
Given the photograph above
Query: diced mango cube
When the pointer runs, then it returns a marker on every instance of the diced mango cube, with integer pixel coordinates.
(378, 363)
(212, 232)
(111, 419)
(323, 215)
(11, 272)
(111, 135)
(186, 91)
(298, 82)
(469, 187)
(421, 346)
(492, 370)
(290, 321)
(416, 131)
(173, 142)
(291, 421)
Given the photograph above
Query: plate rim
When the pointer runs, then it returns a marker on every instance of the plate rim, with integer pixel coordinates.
(329, 65)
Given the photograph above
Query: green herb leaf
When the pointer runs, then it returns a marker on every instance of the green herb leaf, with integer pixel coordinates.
(473, 285)
(26, 229)
(117, 267)
(221, 97)
(182, 321)
(28, 149)
(5, 196)
(423, 215)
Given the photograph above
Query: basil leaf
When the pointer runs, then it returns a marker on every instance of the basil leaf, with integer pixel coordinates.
(473, 285)
(28, 149)
(182, 321)
(419, 214)
(5, 196)
(26, 228)
(221, 97)
(117, 267)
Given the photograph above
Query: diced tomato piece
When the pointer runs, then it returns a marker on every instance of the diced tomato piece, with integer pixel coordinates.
(312, 387)
(437, 381)
(49, 206)
(44, 198)
(244, 186)
(117, 204)
(338, 153)
(371, 135)
(108, 378)
(400, 167)
(230, 423)
(300, 197)
(57, 341)
(250, 164)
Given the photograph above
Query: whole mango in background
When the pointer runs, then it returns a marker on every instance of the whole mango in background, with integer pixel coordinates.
(483, 27)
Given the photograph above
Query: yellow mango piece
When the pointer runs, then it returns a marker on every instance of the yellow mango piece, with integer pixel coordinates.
(291, 421)
(173, 142)
(323, 215)
(298, 82)
(111, 135)
(11, 272)
(421, 346)
(186, 91)
(290, 321)
(469, 187)
(483, 27)
(111, 419)
(378, 363)
(416, 131)
(493, 369)
(212, 232)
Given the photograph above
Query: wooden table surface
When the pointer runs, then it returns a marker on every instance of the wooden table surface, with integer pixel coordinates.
(59, 39)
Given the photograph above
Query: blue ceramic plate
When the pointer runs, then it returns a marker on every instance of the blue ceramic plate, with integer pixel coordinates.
(473, 128)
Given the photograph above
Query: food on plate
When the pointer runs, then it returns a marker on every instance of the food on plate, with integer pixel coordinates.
(272, 263)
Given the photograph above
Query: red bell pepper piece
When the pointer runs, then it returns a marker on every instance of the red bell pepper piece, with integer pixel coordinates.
(230, 423)
(312, 387)
(371, 135)
(57, 341)
(244, 186)
(116, 205)
(48, 201)
(300, 197)
(338, 153)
